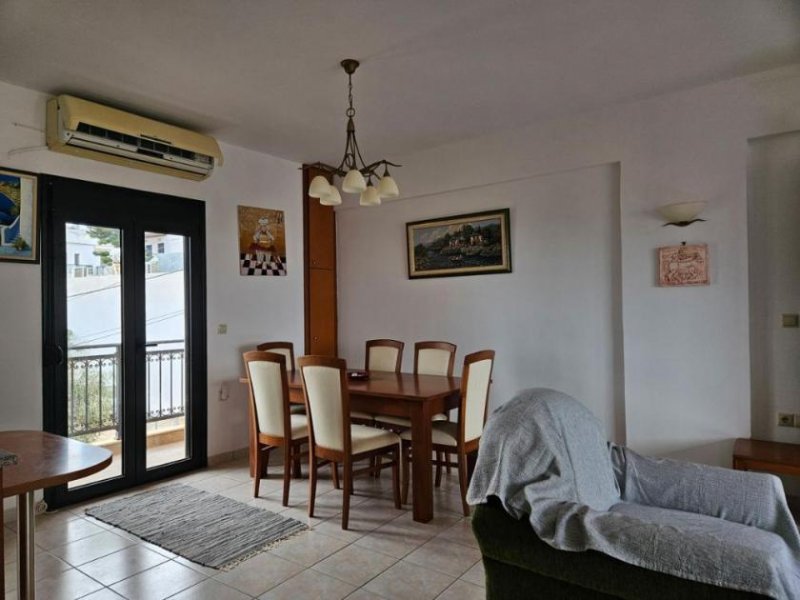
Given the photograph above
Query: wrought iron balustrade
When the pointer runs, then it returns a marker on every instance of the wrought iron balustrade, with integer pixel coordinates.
(94, 386)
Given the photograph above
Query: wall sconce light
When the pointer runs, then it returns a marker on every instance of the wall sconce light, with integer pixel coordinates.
(682, 214)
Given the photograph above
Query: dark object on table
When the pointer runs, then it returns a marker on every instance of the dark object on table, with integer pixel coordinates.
(358, 375)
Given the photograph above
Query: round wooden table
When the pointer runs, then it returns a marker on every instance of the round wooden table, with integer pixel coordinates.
(43, 460)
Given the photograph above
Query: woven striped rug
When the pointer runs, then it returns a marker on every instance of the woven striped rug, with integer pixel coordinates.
(206, 528)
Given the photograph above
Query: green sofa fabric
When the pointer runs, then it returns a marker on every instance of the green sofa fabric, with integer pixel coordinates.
(519, 566)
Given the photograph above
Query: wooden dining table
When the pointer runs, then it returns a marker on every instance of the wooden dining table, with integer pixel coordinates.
(416, 397)
(42, 460)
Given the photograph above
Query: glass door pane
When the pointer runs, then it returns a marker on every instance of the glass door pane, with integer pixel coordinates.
(166, 351)
(94, 342)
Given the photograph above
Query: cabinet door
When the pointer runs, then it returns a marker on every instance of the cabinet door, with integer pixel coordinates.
(322, 312)
(322, 236)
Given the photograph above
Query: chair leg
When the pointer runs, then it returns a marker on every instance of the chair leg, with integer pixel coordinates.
(335, 474)
(257, 471)
(265, 463)
(296, 472)
(462, 480)
(439, 459)
(396, 477)
(312, 482)
(406, 470)
(287, 473)
(447, 459)
(348, 486)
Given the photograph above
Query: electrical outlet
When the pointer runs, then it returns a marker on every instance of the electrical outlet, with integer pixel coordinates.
(786, 420)
(222, 329)
(224, 393)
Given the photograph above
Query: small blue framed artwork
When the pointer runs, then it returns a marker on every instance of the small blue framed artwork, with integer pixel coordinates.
(19, 218)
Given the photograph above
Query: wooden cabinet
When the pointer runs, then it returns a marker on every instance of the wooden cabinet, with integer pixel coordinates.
(319, 234)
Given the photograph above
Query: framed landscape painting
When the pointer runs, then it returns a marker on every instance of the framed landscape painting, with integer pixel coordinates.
(471, 244)
(19, 221)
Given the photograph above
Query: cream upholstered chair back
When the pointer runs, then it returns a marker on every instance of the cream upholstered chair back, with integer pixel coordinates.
(475, 392)
(384, 355)
(326, 400)
(268, 391)
(285, 348)
(434, 358)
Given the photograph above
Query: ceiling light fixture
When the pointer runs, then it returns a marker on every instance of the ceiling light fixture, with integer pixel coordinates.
(355, 179)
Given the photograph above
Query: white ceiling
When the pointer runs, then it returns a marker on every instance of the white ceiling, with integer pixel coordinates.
(265, 74)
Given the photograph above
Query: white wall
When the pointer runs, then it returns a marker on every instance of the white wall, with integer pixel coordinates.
(686, 350)
(254, 308)
(553, 317)
(774, 208)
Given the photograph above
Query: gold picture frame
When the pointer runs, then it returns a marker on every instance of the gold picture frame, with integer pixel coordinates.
(469, 244)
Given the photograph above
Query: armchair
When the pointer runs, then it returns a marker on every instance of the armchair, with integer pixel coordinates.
(564, 514)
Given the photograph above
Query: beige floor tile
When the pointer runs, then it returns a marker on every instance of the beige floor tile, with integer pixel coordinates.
(210, 590)
(394, 540)
(445, 556)
(405, 581)
(301, 514)
(355, 565)
(241, 493)
(460, 533)
(66, 585)
(362, 594)
(333, 528)
(104, 594)
(88, 549)
(58, 533)
(207, 571)
(309, 584)
(308, 548)
(476, 575)
(215, 484)
(461, 590)
(258, 574)
(121, 565)
(157, 583)
(46, 565)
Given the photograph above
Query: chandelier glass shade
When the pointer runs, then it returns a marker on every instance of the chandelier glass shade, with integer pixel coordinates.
(357, 176)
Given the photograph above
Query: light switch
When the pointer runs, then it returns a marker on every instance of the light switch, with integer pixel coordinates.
(791, 320)
(222, 329)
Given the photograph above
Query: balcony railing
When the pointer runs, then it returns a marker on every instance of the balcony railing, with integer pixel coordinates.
(94, 386)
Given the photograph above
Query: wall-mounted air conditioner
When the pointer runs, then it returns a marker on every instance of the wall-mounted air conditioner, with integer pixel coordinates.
(91, 130)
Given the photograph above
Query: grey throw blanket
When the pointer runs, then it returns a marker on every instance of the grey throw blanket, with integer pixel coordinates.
(544, 456)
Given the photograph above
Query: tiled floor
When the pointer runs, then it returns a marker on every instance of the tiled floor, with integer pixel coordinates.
(384, 554)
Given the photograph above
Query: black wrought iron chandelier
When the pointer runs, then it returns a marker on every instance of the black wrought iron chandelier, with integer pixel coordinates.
(355, 179)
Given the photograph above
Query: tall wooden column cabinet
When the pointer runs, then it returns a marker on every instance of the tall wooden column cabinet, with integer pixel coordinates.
(319, 235)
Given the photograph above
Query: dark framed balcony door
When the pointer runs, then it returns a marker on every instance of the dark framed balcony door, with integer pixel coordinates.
(124, 330)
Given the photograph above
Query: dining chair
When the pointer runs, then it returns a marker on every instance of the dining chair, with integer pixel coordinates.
(287, 349)
(274, 424)
(284, 348)
(430, 358)
(462, 436)
(333, 437)
(384, 355)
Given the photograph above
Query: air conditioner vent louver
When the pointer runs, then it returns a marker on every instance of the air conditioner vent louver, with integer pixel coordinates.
(143, 145)
(92, 130)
